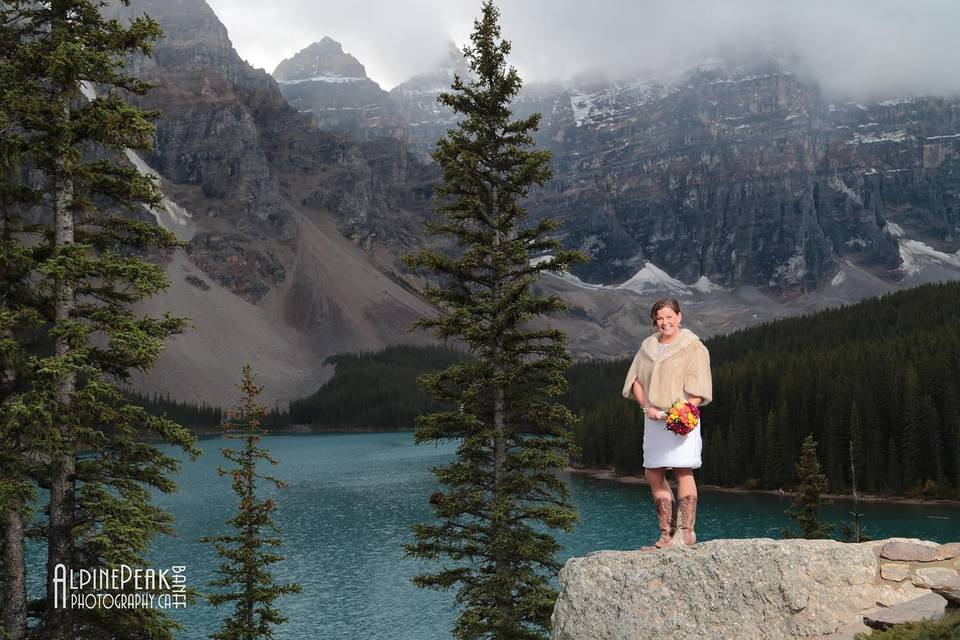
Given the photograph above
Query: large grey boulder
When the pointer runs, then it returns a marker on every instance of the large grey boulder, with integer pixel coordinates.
(754, 588)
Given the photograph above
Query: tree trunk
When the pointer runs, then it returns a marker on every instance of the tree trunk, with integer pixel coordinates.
(14, 576)
(499, 457)
(58, 620)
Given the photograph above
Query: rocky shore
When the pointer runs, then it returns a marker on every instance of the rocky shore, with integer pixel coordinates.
(602, 473)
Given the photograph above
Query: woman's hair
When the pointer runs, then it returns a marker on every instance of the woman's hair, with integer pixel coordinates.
(660, 304)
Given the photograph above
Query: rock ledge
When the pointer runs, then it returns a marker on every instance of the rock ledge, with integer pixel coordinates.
(753, 588)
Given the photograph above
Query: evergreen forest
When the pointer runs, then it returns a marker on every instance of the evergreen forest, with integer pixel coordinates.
(874, 381)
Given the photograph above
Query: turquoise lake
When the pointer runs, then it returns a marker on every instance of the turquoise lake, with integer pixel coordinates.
(351, 500)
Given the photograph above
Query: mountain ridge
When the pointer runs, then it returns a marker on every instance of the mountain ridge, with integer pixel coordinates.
(742, 193)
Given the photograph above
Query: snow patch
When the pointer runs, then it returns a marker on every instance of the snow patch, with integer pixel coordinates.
(581, 104)
(794, 268)
(916, 254)
(577, 282)
(169, 215)
(895, 102)
(331, 79)
(704, 285)
(838, 279)
(872, 138)
(893, 229)
(837, 184)
(566, 276)
(952, 135)
(653, 277)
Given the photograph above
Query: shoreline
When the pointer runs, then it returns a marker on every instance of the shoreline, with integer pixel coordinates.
(604, 473)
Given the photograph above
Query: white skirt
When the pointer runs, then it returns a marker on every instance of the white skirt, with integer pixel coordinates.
(663, 448)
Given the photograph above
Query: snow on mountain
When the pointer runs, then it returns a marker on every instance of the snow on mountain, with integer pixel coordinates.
(704, 285)
(169, 215)
(893, 229)
(916, 255)
(649, 278)
(653, 277)
(322, 79)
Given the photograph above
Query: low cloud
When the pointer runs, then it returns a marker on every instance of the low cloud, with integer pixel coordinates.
(856, 49)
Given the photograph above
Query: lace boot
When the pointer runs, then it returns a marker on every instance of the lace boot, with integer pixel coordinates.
(686, 519)
(666, 515)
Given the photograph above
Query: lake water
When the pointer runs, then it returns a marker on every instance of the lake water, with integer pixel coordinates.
(352, 498)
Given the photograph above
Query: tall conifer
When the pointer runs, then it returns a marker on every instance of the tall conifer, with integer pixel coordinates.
(811, 483)
(913, 454)
(75, 433)
(503, 487)
(858, 459)
(246, 552)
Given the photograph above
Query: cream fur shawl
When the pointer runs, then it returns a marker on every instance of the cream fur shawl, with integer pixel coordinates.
(684, 367)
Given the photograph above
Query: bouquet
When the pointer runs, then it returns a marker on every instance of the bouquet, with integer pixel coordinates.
(682, 417)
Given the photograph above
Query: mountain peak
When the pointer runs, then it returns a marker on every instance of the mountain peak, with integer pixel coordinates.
(323, 59)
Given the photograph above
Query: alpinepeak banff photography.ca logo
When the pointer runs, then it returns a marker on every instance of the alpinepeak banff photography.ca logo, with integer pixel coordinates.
(120, 587)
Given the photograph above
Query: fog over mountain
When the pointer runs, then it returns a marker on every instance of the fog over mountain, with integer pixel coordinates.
(859, 49)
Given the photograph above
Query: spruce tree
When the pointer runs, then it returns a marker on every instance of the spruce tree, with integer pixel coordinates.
(503, 489)
(913, 455)
(812, 482)
(858, 459)
(86, 275)
(246, 553)
(18, 319)
(774, 462)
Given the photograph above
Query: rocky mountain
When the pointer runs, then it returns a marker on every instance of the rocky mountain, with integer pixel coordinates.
(739, 176)
(292, 232)
(741, 191)
(334, 87)
(416, 99)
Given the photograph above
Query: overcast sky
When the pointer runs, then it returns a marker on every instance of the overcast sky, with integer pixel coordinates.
(855, 48)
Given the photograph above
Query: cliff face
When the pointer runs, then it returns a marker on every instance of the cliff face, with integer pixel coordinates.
(333, 86)
(742, 176)
(416, 100)
(749, 180)
(300, 226)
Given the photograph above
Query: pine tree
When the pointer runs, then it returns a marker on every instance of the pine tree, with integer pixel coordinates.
(246, 552)
(503, 486)
(928, 436)
(85, 278)
(18, 319)
(857, 454)
(774, 461)
(951, 435)
(812, 482)
(912, 460)
(893, 468)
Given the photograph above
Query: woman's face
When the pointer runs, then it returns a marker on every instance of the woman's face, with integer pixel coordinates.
(668, 322)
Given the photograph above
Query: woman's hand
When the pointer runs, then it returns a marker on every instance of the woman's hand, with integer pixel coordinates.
(654, 414)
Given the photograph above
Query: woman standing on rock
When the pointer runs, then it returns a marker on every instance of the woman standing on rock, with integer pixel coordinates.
(671, 365)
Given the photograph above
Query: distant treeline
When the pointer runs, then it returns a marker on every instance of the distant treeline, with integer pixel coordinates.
(374, 390)
(194, 416)
(876, 381)
(198, 417)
